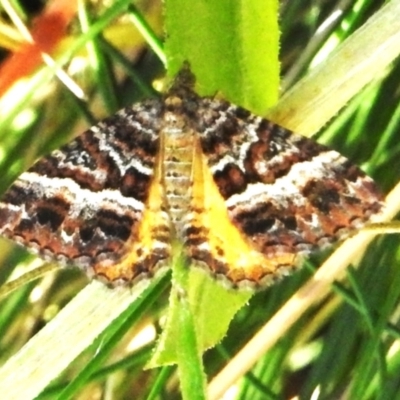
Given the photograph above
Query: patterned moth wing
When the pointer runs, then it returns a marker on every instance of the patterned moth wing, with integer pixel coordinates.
(280, 196)
(90, 203)
(244, 196)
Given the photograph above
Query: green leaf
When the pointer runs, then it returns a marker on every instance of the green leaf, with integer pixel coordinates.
(237, 51)
(214, 307)
(232, 47)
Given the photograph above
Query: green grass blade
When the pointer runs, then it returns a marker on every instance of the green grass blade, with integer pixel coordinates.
(58, 346)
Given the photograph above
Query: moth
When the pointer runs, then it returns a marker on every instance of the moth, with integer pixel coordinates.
(245, 198)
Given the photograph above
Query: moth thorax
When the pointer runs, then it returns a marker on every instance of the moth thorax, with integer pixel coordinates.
(178, 164)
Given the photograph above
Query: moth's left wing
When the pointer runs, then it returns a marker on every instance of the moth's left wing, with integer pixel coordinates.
(96, 202)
